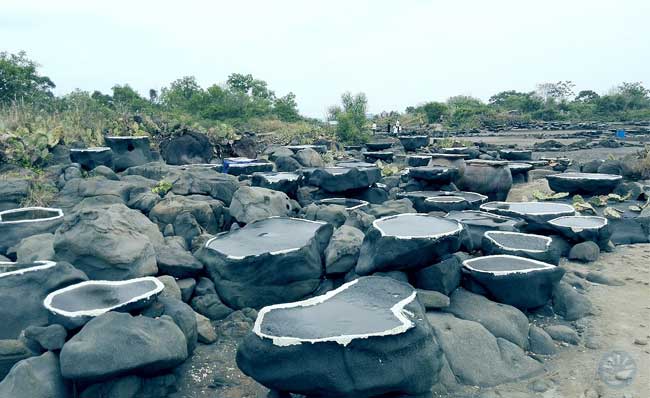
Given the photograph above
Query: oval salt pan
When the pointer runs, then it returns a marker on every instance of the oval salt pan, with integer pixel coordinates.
(75, 305)
(512, 280)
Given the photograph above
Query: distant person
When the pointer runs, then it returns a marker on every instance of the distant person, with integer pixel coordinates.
(388, 128)
(374, 128)
(395, 130)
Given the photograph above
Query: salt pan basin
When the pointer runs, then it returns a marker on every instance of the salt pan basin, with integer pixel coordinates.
(371, 329)
(407, 241)
(521, 282)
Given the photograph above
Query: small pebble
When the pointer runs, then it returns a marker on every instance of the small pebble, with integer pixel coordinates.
(640, 342)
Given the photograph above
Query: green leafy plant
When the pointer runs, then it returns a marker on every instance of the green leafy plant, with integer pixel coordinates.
(162, 188)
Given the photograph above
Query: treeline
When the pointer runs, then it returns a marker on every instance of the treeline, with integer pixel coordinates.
(549, 102)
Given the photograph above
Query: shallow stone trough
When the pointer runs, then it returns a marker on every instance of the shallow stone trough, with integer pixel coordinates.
(89, 158)
(268, 261)
(18, 224)
(583, 228)
(521, 282)
(584, 183)
(129, 151)
(536, 214)
(407, 241)
(348, 203)
(536, 247)
(341, 179)
(385, 156)
(371, 329)
(286, 182)
(426, 201)
(413, 142)
(75, 305)
(434, 174)
(476, 223)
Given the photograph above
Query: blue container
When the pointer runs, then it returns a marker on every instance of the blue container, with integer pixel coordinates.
(620, 134)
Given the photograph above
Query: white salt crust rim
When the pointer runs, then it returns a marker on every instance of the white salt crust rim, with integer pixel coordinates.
(284, 341)
(275, 253)
(59, 213)
(43, 265)
(446, 199)
(279, 176)
(544, 266)
(546, 238)
(91, 149)
(455, 194)
(360, 205)
(458, 228)
(557, 223)
(418, 157)
(587, 176)
(412, 136)
(130, 137)
(485, 207)
(47, 303)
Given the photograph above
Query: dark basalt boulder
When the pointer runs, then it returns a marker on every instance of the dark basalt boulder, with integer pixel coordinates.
(536, 247)
(476, 223)
(521, 282)
(514, 154)
(75, 305)
(487, 177)
(23, 287)
(266, 262)
(280, 181)
(413, 142)
(18, 224)
(418, 160)
(584, 183)
(378, 146)
(341, 179)
(13, 191)
(536, 214)
(427, 201)
(105, 349)
(188, 148)
(255, 203)
(449, 160)
(129, 151)
(368, 338)
(109, 242)
(434, 174)
(89, 158)
(379, 155)
(309, 158)
(583, 228)
(37, 377)
(407, 241)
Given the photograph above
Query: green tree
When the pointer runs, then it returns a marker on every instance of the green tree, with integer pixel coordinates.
(20, 80)
(129, 98)
(434, 111)
(515, 100)
(286, 108)
(350, 118)
(183, 94)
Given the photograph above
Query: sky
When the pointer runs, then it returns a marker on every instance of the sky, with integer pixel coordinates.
(399, 52)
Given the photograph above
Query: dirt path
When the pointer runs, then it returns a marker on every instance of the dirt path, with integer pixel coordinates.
(621, 324)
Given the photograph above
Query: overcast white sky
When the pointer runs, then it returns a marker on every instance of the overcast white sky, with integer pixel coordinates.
(399, 52)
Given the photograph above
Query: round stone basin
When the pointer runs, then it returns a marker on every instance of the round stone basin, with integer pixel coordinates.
(29, 215)
(378, 146)
(9, 269)
(438, 174)
(349, 204)
(588, 183)
(517, 167)
(359, 309)
(355, 164)
(412, 225)
(425, 201)
(93, 298)
(450, 156)
(519, 241)
(18, 224)
(317, 148)
(459, 150)
(579, 222)
(445, 199)
(529, 208)
(503, 264)
(379, 154)
(278, 177)
(515, 154)
(272, 235)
